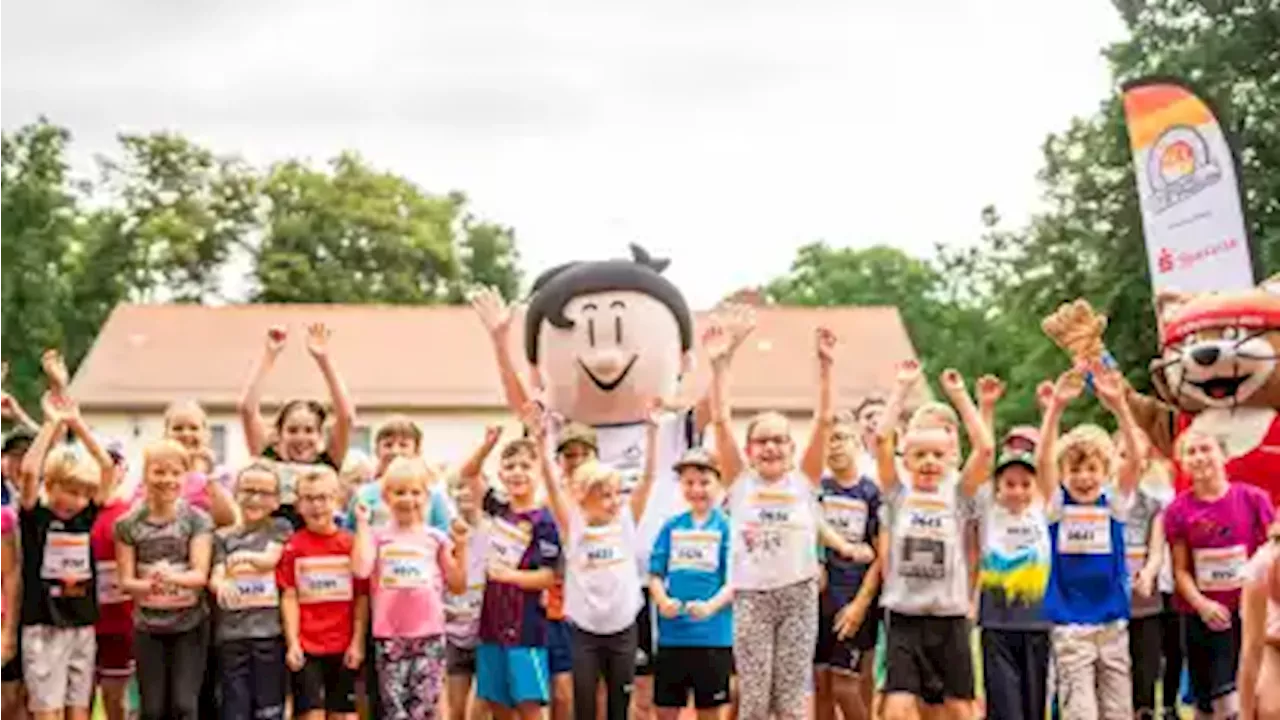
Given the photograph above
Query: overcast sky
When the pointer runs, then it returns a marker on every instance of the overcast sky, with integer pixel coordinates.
(720, 133)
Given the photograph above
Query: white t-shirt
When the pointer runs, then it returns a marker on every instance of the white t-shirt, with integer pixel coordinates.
(462, 611)
(927, 571)
(601, 587)
(621, 447)
(775, 531)
(1162, 489)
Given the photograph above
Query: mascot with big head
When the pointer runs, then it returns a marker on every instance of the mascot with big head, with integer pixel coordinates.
(605, 340)
(1218, 372)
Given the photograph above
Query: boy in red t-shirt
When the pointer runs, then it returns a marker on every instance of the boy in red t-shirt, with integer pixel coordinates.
(324, 607)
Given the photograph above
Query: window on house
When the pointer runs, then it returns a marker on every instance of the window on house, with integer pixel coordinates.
(362, 439)
(218, 442)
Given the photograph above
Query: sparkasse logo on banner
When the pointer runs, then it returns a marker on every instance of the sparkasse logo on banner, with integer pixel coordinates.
(1191, 212)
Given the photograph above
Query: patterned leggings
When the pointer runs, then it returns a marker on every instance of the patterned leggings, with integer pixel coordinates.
(774, 633)
(410, 677)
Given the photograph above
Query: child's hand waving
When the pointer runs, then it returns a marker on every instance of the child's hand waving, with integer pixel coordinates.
(1109, 386)
(826, 346)
(58, 407)
(990, 389)
(1069, 386)
(909, 374)
(277, 335)
(716, 342)
(531, 416)
(55, 368)
(493, 311)
(952, 382)
(318, 335)
(1044, 394)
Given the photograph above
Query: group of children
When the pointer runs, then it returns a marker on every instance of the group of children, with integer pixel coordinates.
(843, 582)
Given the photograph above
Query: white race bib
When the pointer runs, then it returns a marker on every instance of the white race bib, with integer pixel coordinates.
(695, 551)
(770, 523)
(847, 516)
(404, 566)
(508, 543)
(1219, 569)
(928, 527)
(324, 578)
(109, 591)
(66, 557)
(1084, 530)
(256, 588)
(601, 548)
(169, 596)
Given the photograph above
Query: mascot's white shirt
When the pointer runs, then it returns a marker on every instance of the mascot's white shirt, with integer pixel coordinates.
(622, 447)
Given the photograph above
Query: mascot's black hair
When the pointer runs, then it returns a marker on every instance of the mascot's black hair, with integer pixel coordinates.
(643, 274)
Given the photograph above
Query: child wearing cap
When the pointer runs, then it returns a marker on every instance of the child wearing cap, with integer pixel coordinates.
(688, 583)
(1013, 574)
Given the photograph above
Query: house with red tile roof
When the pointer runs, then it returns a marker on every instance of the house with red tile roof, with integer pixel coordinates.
(434, 364)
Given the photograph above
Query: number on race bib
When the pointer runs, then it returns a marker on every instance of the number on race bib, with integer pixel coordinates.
(694, 551)
(256, 589)
(404, 566)
(1084, 530)
(507, 544)
(601, 548)
(324, 579)
(1220, 569)
(66, 557)
(847, 516)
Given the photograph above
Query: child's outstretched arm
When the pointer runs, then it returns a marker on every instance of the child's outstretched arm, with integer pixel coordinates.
(497, 317)
(474, 465)
(1111, 390)
(717, 343)
(556, 500)
(977, 467)
(908, 377)
(344, 412)
(740, 322)
(1068, 387)
(250, 407)
(640, 495)
(12, 410)
(32, 468)
(815, 454)
(990, 389)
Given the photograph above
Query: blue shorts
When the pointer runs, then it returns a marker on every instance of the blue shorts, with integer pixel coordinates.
(511, 675)
(559, 654)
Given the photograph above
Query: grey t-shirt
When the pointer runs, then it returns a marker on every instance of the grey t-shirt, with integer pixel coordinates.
(258, 612)
(1137, 537)
(172, 609)
(927, 572)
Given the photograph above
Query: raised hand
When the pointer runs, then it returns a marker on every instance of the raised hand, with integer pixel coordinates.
(58, 407)
(1069, 386)
(909, 374)
(1044, 394)
(717, 343)
(532, 417)
(318, 335)
(492, 434)
(826, 346)
(55, 368)
(738, 320)
(1109, 386)
(493, 311)
(952, 382)
(362, 514)
(990, 389)
(653, 411)
(277, 335)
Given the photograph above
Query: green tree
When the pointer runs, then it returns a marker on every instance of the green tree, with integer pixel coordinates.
(355, 234)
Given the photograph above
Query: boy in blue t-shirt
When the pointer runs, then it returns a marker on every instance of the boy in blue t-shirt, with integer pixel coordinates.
(688, 570)
(1087, 599)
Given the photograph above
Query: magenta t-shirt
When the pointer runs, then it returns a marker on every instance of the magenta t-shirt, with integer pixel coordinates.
(1220, 535)
(406, 581)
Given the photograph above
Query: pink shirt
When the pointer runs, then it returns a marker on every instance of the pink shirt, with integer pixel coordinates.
(406, 579)
(1220, 535)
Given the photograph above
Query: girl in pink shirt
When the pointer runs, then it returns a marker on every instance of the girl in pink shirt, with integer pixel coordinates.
(410, 564)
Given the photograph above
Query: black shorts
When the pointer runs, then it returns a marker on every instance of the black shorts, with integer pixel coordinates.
(1212, 659)
(324, 683)
(644, 637)
(12, 671)
(703, 671)
(928, 657)
(459, 660)
(845, 655)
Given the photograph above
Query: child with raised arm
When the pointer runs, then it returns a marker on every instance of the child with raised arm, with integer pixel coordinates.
(688, 582)
(523, 560)
(1088, 595)
(926, 590)
(1213, 527)
(59, 602)
(247, 632)
(602, 590)
(773, 562)
(163, 551)
(299, 430)
(323, 606)
(409, 565)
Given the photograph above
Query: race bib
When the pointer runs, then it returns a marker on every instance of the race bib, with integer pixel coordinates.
(1219, 569)
(847, 516)
(770, 522)
(66, 557)
(169, 596)
(1135, 558)
(508, 543)
(404, 566)
(923, 548)
(601, 548)
(1084, 530)
(256, 589)
(324, 579)
(694, 551)
(109, 591)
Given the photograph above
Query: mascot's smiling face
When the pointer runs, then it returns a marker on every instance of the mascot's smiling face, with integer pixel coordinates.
(1221, 350)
